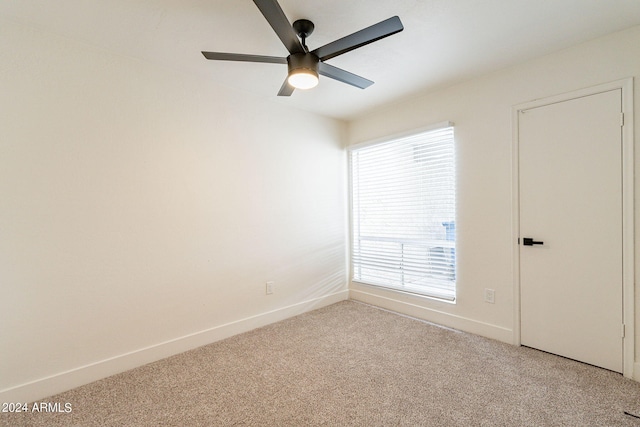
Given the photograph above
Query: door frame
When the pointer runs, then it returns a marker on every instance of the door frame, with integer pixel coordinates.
(628, 234)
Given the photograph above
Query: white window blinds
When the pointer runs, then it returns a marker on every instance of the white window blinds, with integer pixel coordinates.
(403, 218)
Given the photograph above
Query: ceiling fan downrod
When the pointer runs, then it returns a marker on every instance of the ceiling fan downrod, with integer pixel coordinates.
(303, 28)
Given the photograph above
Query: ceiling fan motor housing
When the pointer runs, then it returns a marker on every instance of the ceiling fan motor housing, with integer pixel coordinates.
(303, 61)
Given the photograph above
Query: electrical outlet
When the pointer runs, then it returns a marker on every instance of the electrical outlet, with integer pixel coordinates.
(490, 296)
(269, 288)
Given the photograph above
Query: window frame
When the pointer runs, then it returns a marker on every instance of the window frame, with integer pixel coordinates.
(380, 141)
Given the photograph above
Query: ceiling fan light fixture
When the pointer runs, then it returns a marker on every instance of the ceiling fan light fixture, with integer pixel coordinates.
(303, 70)
(303, 79)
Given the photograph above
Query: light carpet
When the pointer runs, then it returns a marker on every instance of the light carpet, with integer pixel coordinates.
(350, 364)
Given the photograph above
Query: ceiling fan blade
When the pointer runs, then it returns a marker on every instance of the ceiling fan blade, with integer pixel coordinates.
(343, 76)
(222, 56)
(360, 38)
(286, 89)
(280, 24)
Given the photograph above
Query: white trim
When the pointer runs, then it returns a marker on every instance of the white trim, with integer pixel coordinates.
(372, 286)
(628, 234)
(350, 218)
(515, 232)
(400, 135)
(435, 316)
(63, 381)
(628, 230)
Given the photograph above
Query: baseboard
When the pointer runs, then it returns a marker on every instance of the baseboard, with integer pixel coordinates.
(636, 371)
(445, 319)
(44, 387)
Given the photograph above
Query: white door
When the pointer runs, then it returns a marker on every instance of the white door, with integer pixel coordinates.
(570, 175)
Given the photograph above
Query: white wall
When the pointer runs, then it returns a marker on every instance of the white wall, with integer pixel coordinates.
(482, 112)
(142, 212)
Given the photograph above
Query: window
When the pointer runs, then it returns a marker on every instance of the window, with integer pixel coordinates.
(403, 213)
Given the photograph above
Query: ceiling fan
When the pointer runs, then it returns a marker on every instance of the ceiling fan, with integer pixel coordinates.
(305, 65)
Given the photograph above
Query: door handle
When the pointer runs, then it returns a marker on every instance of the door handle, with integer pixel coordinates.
(528, 241)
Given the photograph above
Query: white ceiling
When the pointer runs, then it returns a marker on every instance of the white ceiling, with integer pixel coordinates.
(444, 41)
